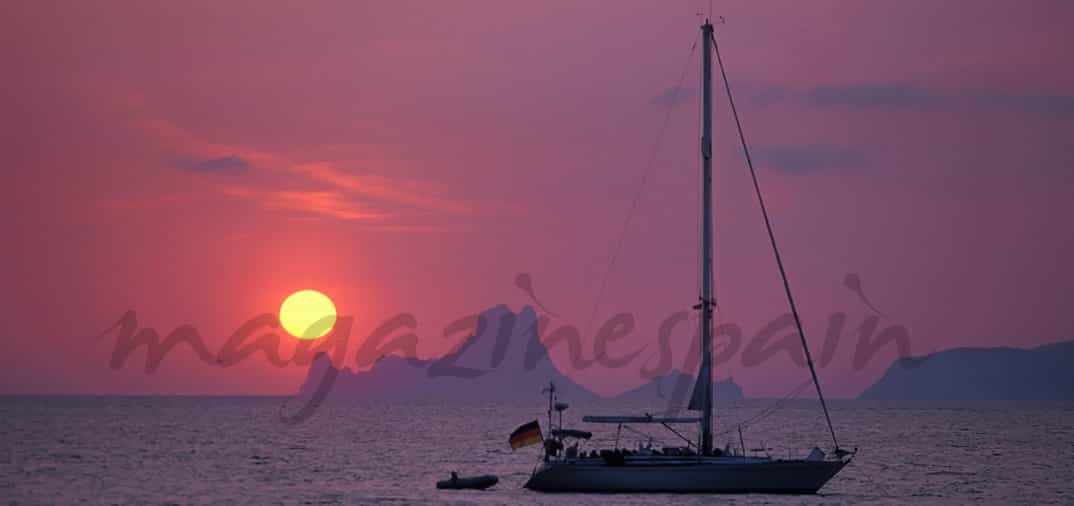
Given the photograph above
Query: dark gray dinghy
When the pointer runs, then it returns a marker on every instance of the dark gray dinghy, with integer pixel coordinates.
(468, 482)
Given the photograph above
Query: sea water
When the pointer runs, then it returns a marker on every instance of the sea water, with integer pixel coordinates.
(227, 450)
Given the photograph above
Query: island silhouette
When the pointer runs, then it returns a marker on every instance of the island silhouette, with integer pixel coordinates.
(504, 360)
(1002, 373)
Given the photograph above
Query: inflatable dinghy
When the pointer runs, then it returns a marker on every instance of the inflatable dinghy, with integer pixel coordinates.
(468, 482)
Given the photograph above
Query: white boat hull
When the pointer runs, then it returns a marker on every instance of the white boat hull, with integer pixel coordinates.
(685, 475)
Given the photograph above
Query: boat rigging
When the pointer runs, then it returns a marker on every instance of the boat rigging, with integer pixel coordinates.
(700, 467)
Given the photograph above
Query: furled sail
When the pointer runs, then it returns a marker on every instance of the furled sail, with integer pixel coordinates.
(701, 390)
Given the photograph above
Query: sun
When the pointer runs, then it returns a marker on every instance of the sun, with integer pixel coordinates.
(307, 314)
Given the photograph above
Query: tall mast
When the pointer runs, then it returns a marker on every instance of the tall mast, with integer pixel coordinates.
(706, 305)
(551, 401)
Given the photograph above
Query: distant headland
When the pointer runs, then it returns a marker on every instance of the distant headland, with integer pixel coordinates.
(1042, 373)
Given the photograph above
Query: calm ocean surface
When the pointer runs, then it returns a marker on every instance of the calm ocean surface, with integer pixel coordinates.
(212, 450)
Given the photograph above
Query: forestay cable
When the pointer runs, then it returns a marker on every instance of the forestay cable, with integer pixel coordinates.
(641, 186)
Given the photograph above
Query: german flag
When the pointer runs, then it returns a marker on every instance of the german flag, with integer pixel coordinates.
(525, 435)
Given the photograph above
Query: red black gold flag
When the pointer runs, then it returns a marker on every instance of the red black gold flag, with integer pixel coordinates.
(525, 435)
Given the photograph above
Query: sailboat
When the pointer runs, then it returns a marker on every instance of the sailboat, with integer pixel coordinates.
(696, 467)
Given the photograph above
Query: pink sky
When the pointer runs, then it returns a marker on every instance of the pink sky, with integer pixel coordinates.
(197, 162)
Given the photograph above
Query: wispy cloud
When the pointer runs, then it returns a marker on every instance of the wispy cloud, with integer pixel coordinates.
(902, 96)
(761, 95)
(231, 164)
(672, 96)
(141, 202)
(391, 190)
(874, 95)
(330, 188)
(324, 203)
(1042, 103)
(806, 159)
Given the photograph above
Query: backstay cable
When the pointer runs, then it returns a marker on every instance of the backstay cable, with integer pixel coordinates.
(772, 239)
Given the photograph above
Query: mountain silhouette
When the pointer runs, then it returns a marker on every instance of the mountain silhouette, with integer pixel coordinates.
(1041, 373)
(503, 360)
